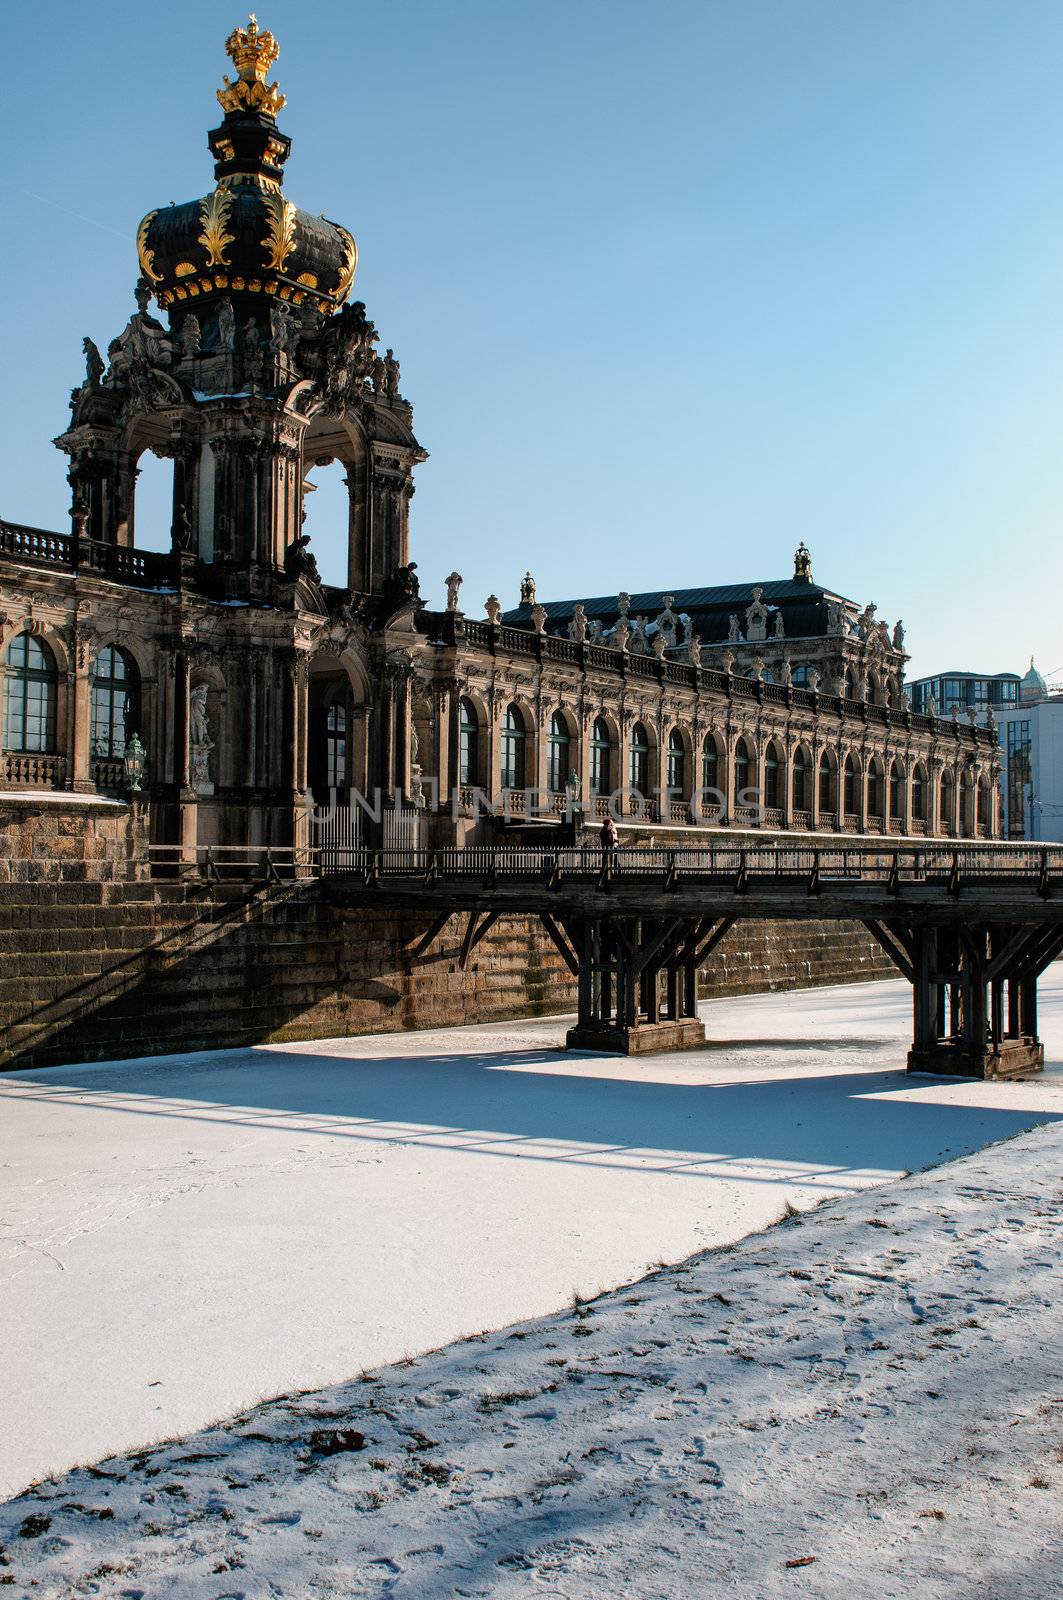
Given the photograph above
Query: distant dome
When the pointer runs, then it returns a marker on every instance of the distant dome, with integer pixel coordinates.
(245, 238)
(1033, 685)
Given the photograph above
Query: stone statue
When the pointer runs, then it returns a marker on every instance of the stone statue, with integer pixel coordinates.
(659, 645)
(378, 375)
(95, 366)
(538, 617)
(191, 336)
(595, 630)
(803, 563)
(391, 375)
(282, 329)
(184, 531)
(727, 664)
(639, 640)
(621, 633)
(813, 679)
(577, 628)
(835, 620)
(931, 706)
(757, 618)
(866, 621)
(757, 670)
(527, 590)
(406, 582)
(198, 729)
(623, 602)
(226, 327)
(493, 608)
(693, 644)
(898, 636)
(453, 583)
(733, 634)
(252, 352)
(298, 562)
(779, 628)
(787, 672)
(687, 626)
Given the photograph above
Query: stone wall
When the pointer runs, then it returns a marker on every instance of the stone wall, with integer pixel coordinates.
(97, 969)
(58, 835)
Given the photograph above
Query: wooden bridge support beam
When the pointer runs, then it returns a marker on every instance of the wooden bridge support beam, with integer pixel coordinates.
(638, 982)
(974, 998)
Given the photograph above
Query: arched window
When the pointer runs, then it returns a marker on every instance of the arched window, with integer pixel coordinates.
(965, 802)
(850, 786)
(896, 791)
(336, 745)
(874, 693)
(639, 770)
(983, 802)
(919, 794)
(800, 781)
(799, 678)
(468, 742)
(771, 776)
(601, 758)
(874, 788)
(115, 702)
(558, 765)
(513, 741)
(710, 763)
(31, 694)
(743, 771)
(826, 783)
(849, 684)
(676, 762)
(946, 799)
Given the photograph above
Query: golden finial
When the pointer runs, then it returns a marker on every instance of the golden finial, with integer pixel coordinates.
(253, 53)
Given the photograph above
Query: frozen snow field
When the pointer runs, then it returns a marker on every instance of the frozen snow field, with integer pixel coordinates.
(182, 1236)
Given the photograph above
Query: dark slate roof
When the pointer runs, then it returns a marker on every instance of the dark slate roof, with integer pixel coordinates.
(803, 605)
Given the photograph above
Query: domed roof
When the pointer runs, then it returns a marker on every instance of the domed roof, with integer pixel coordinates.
(1032, 684)
(245, 237)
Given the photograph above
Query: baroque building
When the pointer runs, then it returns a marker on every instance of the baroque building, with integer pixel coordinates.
(255, 689)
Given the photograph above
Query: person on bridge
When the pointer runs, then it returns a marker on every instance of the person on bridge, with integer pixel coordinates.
(610, 839)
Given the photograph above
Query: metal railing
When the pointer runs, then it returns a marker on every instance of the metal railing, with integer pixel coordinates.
(725, 863)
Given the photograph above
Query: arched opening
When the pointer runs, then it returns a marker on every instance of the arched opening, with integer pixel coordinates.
(115, 711)
(677, 764)
(513, 749)
(558, 757)
(744, 773)
(710, 763)
(800, 796)
(874, 688)
(601, 758)
(874, 788)
(896, 801)
(984, 808)
(849, 684)
(639, 769)
(966, 798)
(946, 801)
(151, 513)
(468, 742)
(326, 519)
(828, 795)
(919, 793)
(772, 786)
(334, 759)
(850, 787)
(31, 696)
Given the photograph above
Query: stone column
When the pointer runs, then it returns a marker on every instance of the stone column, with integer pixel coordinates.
(79, 714)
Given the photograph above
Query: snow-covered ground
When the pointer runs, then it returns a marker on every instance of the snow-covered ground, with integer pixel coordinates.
(182, 1236)
(864, 1401)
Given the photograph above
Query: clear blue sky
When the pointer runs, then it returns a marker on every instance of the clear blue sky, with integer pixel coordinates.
(673, 287)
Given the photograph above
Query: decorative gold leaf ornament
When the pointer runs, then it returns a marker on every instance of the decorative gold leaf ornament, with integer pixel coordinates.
(350, 264)
(253, 54)
(280, 240)
(214, 215)
(145, 256)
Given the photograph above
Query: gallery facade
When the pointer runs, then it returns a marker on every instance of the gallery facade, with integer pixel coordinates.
(257, 691)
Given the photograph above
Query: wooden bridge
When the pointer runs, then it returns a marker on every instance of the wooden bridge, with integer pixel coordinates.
(970, 926)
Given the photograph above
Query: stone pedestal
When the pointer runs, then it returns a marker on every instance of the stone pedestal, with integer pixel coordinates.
(647, 1039)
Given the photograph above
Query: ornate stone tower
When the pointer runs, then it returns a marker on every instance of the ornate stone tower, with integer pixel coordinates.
(262, 373)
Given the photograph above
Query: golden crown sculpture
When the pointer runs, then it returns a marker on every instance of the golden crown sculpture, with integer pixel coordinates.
(253, 54)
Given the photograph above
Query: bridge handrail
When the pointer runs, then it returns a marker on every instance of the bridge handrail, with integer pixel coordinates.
(856, 861)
